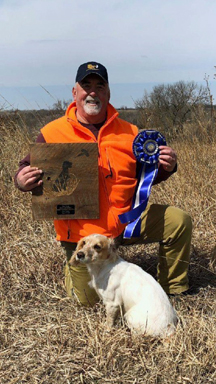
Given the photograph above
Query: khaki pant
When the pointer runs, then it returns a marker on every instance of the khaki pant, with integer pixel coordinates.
(167, 225)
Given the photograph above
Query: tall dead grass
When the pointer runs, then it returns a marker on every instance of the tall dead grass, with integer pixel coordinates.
(46, 337)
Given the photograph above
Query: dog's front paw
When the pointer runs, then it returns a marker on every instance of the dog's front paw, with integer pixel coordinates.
(109, 322)
(108, 327)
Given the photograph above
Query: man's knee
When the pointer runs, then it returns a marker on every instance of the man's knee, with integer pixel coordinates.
(180, 220)
(186, 220)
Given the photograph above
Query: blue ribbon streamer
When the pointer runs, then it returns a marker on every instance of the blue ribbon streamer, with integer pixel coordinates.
(146, 150)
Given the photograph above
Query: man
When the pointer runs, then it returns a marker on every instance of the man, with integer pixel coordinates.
(91, 118)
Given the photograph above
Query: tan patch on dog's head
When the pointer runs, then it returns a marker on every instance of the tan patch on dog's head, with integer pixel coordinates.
(94, 248)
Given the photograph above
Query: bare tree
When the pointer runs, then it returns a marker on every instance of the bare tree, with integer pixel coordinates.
(171, 105)
(61, 105)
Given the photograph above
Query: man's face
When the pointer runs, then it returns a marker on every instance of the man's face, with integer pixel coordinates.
(92, 97)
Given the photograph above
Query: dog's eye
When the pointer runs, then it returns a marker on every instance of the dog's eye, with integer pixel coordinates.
(97, 247)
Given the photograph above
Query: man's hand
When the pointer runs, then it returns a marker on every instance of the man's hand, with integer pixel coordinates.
(167, 158)
(27, 178)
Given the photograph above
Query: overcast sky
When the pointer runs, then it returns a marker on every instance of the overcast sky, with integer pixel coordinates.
(139, 41)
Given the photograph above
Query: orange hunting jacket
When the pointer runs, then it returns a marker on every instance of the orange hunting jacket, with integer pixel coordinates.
(117, 171)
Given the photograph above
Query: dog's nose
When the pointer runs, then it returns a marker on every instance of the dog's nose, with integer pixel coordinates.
(80, 255)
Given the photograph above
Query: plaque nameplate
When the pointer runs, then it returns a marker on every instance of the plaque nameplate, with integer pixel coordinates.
(65, 209)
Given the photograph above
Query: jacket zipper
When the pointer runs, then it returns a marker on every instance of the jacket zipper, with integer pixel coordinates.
(109, 165)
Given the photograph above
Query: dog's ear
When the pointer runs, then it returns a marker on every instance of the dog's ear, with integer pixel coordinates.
(80, 244)
(112, 249)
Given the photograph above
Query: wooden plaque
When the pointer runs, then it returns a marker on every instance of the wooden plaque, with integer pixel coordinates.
(70, 181)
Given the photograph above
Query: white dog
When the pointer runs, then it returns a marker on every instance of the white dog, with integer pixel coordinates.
(125, 287)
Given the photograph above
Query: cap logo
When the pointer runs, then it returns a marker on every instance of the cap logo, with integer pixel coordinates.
(92, 67)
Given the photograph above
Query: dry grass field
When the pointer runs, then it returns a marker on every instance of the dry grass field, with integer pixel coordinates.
(47, 338)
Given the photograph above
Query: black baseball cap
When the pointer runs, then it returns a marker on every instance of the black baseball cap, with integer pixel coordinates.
(89, 68)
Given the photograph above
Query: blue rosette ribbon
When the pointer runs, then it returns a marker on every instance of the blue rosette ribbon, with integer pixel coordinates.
(146, 150)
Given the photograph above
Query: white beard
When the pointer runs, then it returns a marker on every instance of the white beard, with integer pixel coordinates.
(92, 109)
